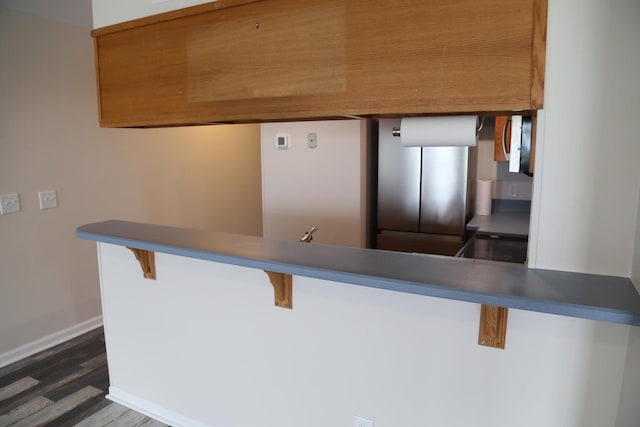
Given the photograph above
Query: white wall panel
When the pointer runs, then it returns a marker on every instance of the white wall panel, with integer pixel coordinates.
(587, 175)
(109, 12)
(321, 186)
(206, 341)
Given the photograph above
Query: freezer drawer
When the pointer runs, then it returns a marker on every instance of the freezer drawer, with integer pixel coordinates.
(497, 248)
(419, 242)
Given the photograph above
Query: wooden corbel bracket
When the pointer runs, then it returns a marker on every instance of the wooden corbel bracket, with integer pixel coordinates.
(147, 262)
(493, 326)
(282, 288)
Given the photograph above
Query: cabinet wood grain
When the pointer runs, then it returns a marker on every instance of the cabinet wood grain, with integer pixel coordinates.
(256, 61)
(498, 148)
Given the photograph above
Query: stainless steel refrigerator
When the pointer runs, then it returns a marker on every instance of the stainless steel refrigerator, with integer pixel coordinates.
(424, 195)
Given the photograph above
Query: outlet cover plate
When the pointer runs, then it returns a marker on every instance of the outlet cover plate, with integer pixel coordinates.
(48, 199)
(9, 203)
(283, 141)
(312, 140)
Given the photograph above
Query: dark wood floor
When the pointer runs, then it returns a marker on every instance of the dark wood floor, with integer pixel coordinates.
(64, 386)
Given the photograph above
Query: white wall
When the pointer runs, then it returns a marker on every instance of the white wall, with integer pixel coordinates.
(587, 174)
(207, 177)
(74, 12)
(323, 186)
(585, 208)
(109, 12)
(629, 410)
(235, 360)
(635, 274)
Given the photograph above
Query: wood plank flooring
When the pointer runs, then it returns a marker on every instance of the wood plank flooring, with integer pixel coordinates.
(64, 386)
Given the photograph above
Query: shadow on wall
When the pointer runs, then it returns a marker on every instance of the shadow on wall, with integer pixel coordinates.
(606, 346)
(205, 177)
(629, 410)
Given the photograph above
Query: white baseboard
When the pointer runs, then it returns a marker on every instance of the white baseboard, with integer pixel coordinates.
(154, 410)
(49, 341)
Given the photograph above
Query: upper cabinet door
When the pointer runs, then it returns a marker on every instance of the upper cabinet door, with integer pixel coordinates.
(248, 61)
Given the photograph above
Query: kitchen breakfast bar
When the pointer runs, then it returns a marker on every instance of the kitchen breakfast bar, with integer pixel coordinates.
(203, 341)
(605, 298)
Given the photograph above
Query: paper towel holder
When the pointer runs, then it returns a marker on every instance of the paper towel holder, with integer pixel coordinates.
(396, 130)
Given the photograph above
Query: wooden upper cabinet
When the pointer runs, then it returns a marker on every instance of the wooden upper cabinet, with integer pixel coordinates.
(264, 60)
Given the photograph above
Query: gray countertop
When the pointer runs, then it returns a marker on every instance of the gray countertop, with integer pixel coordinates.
(509, 224)
(605, 298)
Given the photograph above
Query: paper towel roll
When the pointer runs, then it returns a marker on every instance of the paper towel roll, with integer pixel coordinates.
(446, 131)
(483, 197)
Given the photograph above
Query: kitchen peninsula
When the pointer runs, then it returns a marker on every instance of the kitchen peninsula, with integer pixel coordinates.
(204, 345)
(587, 296)
(174, 355)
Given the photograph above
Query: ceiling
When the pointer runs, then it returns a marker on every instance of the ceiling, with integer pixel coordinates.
(74, 12)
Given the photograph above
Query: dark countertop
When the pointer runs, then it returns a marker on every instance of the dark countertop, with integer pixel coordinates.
(588, 296)
(508, 224)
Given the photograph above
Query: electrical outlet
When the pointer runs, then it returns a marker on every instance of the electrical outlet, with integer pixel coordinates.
(513, 189)
(9, 203)
(48, 199)
(362, 422)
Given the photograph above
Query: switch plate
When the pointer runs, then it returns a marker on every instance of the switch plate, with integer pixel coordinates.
(48, 199)
(312, 140)
(9, 203)
(362, 422)
(283, 141)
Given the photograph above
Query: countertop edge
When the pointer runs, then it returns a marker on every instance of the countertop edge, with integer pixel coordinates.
(274, 255)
